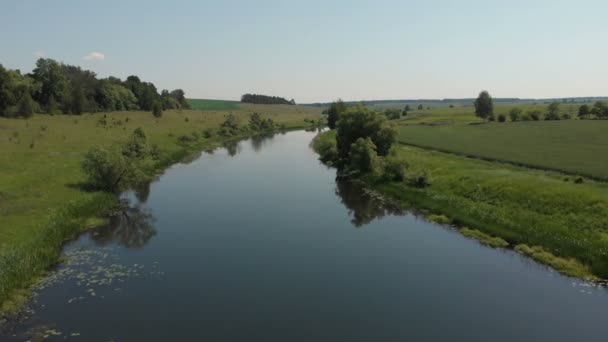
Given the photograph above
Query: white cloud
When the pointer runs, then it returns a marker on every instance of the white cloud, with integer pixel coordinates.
(39, 54)
(94, 56)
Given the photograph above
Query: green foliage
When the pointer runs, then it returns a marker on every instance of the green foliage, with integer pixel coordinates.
(333, 113)
(535, 114)
(515, 114)
(157, 109)
(484, 106)
(483, 238)
(363, 157)
(26, 106)
(502, 118)
(230, 126)
(360, 122)
(420, 107)
(553, 111)
(394, 169)
(392, 114)
(136, 147)
(107, 169)
(600, 110)
(584, 111)
(325, 146)
(264, 99)
(257, 123)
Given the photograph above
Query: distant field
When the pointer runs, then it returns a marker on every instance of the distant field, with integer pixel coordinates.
(461, 114)
(572, 146)
(203, 104)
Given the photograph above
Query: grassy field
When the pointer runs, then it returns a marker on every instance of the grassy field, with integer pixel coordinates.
(573, 146)
(40, 169)
(203, 104)
(464, 115)
(544, 214)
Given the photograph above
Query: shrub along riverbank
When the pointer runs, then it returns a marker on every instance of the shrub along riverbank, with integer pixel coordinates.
(545, 215)
(46, 198)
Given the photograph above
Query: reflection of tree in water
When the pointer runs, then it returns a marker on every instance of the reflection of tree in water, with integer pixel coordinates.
(142, 191)
(132, 227)
(232, 147)
(259, 140)
(363, 205)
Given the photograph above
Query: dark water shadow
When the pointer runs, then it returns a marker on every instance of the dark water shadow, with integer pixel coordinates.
(260, 140)
(131, 226)
(363, 205)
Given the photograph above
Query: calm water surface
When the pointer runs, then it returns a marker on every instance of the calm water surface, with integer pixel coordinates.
(259, 242)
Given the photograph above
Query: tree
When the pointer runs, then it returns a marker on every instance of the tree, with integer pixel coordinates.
(26, 106)
(583, 111)
(157, 109)
(407, 108)
(552, 111)
(535, 114)
(334, 112)
(107, 169)
(600, 109)
(502, 118)
(420, 107)
(515, 114)
(484, 106)
(360, 122)
(78, 100)
(392, 114)
(363, 156)
(7, 96)
(52, 80)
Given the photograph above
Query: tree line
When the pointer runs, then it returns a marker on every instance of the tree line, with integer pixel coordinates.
(54, 87)
(265, 99)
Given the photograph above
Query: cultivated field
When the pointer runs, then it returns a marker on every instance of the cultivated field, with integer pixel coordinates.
(204, 104)
(573, 146)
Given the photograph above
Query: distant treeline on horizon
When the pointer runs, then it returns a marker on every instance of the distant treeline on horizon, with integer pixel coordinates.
(265, 99)
(467, 101)
(54, 87)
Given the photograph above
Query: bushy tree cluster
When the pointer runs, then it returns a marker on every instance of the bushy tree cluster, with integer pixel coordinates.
(361, 123)
(120, 166)
(484, 106)
(265, 99)
(393, 114)
(257, 123)
(54, 87)
(333, 113)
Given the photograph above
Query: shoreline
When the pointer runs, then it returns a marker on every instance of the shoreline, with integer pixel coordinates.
(32, 259)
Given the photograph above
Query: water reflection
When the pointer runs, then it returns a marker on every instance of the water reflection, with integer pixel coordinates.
(260, 140)
(364, 206)
(131, 227)
(233, 147)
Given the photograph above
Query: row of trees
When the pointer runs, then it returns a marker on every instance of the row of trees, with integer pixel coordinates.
(54, 87)
(264, 99)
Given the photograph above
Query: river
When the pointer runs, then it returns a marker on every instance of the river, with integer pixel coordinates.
(258, 241)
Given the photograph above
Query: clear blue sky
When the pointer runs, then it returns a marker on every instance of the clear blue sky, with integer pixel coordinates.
(322, 50)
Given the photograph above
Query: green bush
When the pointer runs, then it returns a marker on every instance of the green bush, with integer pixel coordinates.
(157, 109)
(394, 169)
(363, 156)
(107, 169)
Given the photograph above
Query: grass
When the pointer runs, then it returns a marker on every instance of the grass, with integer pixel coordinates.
(41, 179)
(573, 146)
(517, 204)
(492, 241)
(204, 104)
(466, 115)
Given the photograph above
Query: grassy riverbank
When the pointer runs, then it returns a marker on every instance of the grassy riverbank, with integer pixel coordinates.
(559, 222)
(42, 201)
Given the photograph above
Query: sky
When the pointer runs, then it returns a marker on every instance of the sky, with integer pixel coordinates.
(318, 51)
